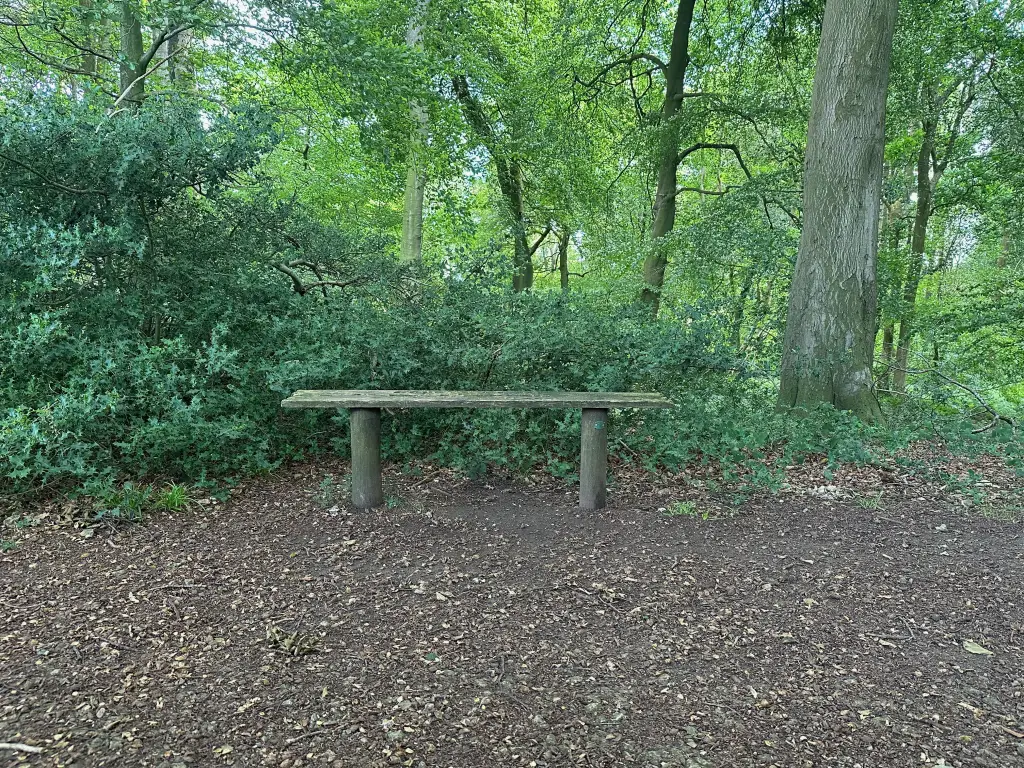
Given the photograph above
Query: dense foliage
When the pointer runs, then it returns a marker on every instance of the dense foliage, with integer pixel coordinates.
(187, 238)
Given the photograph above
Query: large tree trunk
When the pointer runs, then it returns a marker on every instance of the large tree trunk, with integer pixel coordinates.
(132, 85)
(663, 213)
(416, 177)
(918, 242)
(830, 326)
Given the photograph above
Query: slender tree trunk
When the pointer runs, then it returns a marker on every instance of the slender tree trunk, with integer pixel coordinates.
(830, 326)
(412, 215)
(512, 188)
(510, 181)
(416, 177)
(890, 241)
(132, 88)
(663, 213)
(918, 242)
(740, 311)
(563, 258)
(887, 354)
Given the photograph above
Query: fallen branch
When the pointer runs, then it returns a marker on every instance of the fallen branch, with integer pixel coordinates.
(16, 747)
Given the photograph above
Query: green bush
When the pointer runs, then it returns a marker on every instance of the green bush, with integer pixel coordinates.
(153, 316)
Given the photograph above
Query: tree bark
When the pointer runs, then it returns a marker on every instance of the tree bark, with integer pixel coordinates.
(416, 177)
(663, 212)
(918, 242)
(133, 89)
(829, 343)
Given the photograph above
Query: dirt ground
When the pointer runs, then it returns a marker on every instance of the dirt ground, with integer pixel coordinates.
(479, 623)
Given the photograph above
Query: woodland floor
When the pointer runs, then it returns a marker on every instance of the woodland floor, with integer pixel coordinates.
(480, 623)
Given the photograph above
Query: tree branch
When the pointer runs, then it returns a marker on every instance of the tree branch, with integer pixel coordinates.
(302, 288)
(954, 131)
(159, 40)
(730, 147)
(52, 63)
(713, 192)
(146, 73)
(82, 48)
(540, 240)
(623, 61)
(50, 182)
(1006, 102)
(996, 416)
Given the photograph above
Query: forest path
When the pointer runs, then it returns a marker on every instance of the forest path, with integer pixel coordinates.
(493, 623)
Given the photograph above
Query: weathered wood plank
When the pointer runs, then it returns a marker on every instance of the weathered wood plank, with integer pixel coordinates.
(398, 398)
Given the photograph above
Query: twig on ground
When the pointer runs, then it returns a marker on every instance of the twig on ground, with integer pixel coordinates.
(426, 478)
(114, 644)
(22, 607)
(178, 586)
(322, 729)
(633, 453)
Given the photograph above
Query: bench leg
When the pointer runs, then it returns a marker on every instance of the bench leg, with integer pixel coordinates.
(367, 491)
(593, 458)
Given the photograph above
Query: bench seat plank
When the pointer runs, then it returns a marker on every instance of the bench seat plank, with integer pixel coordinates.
(405, 398)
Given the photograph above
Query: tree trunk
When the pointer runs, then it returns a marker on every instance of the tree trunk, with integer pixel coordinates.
(88, 58)
(829, 344)
(740, 310)
(563, 258)
(887, 352)
(663, 212)
(416, 177)
(918, 241)
(510, 181)
(181, 70)
(512, 189)
(132, 87)
(412, 215)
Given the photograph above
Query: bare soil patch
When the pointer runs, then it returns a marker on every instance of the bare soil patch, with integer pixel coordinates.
(490, 622)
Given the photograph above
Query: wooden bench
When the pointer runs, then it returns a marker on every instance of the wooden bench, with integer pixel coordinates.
(365, 406)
